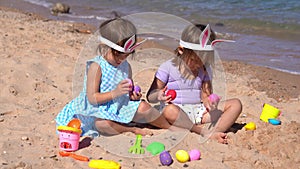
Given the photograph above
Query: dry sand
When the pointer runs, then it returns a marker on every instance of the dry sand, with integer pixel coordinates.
(38, 57)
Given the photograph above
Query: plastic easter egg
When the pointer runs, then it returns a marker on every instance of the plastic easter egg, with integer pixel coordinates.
(194, 154)
(172, 93)
(137, 89)
(129, 81)
(250, 126)
(214, 98)
(165, 158)
(182, 156)
(75, 123)
(274, 121)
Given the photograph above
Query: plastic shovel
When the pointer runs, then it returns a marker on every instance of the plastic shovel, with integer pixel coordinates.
(137, 148)
(74, 156)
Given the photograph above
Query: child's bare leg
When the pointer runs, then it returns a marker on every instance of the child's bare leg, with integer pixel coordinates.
(147, 114)
(107, 127)
(232, 110)
(178, 118)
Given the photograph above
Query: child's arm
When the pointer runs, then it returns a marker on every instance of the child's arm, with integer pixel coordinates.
(206, 90)
(133, 95)
(156, 92)
(93, 85)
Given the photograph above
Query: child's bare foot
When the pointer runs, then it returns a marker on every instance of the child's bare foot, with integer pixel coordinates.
(143, 132)
(220, 137)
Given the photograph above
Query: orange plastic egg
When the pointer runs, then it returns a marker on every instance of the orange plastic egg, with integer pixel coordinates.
(75, 123)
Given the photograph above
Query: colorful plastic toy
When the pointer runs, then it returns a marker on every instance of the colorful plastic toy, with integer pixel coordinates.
(182, 156)
(74, 156)
(194, 154)
(104, 164)
(137, 147)
(130, 84)
(250, 126)
(155, 148)
(129, 81)
(269, 112)
(165, 158)
(75, 123)
(274, 121)
(172, 93)
(69, 136)
(137, 89)
(214, 98)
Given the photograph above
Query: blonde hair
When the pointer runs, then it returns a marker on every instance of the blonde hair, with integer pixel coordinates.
(118, 31)
(191, 34)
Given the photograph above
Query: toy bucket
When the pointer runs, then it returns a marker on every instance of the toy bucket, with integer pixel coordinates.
(68, 138)
(269, 112)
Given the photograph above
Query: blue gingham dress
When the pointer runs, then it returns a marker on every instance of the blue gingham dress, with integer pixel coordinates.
(120, 109)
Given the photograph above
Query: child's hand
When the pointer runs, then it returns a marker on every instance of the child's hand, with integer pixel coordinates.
(162, 97)
(123, 88)
(135, 95)
(209, 106)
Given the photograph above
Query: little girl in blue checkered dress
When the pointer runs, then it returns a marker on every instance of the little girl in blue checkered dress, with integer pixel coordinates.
(107, 103)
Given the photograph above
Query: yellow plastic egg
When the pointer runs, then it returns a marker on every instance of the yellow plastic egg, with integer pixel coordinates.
(182, 156)
(250, 126)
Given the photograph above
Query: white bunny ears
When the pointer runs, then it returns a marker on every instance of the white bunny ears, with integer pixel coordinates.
(203, 39)
(129, 45)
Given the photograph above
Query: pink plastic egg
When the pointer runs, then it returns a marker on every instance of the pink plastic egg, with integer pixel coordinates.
(214, 98)
(194, 154)
(129, 81)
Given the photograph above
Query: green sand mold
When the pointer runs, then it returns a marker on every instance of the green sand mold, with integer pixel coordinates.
(155, 148)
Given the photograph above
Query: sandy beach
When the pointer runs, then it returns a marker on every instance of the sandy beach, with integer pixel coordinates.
(38, 59)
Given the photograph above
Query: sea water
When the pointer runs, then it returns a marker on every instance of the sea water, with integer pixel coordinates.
(266, 31)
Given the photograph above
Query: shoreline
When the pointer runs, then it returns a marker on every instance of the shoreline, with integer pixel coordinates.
(253, 42)
(37, 69)
(279, 85)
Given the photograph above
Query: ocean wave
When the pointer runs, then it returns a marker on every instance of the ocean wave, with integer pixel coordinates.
(40, 3)
(284, 70)
(275, 60)
(78, 16)
(83, 16)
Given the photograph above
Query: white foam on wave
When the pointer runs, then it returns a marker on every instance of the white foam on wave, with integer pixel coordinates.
(275, 60)
(40, 3)
(101, 18)
(284, 70)
(78, 16)
(155, 38)
(72, 15)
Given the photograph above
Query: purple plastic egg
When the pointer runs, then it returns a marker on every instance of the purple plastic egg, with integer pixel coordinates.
(194, 154)
(165, 158)
(137, 89)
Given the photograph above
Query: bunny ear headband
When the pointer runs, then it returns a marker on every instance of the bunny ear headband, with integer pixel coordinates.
(128, 46)
(203, 39)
